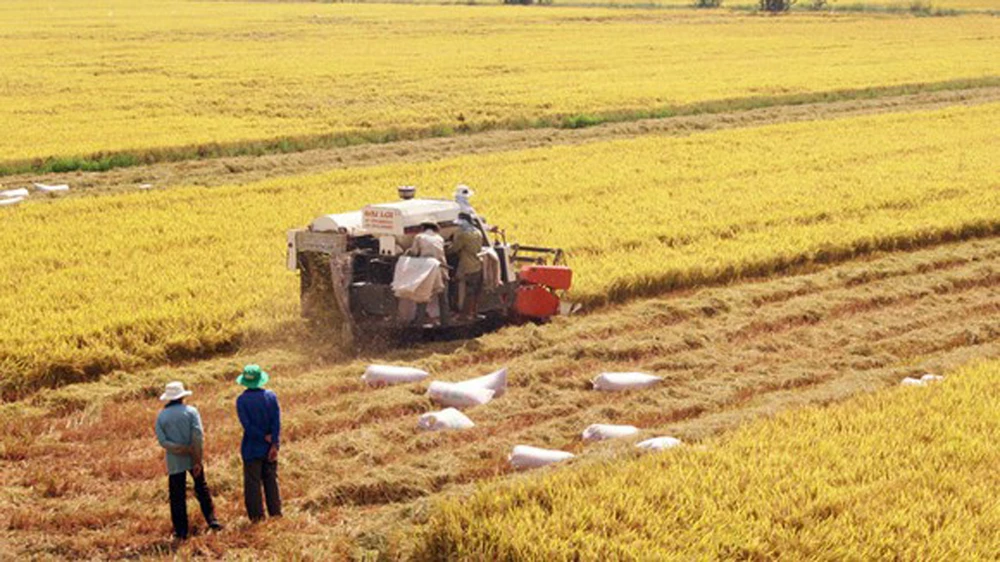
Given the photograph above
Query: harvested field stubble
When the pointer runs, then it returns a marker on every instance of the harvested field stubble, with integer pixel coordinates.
(179, 80)
(908, 473)
(89, 285)
(356, 473)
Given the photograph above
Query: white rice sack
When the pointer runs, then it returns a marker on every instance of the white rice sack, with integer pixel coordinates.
(458, 396)
(524, 456)
(659, 443)
(910, 381)
(391, 374)
(10, 202)
(624, 381)
(11, 193)
(601, 431)
(495, 381)
(51, 188)
(449, 418)
(931, 378)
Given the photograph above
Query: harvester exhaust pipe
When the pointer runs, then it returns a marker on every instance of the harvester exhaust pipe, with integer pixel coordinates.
(406, 192)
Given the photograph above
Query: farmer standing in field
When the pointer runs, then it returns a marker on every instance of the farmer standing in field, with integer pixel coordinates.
(179, 431)
(260, 416)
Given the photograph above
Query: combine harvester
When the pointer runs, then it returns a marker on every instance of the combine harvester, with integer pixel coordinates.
(347, 263)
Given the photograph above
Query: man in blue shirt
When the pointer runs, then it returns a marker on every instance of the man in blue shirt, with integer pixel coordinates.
(179, 431)
(261, 419)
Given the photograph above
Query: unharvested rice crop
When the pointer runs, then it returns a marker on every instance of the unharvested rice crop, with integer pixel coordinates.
(903, 474)
(916, 7)
(124, 81)
(91, 284)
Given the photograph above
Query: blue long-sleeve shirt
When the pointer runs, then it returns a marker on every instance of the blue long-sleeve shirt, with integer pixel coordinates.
(178, 428)
(260, 415)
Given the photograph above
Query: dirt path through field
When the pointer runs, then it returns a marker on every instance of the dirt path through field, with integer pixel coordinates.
(83, 477)
(238, 170)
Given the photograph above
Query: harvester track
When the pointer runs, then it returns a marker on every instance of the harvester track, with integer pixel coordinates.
(356, 465)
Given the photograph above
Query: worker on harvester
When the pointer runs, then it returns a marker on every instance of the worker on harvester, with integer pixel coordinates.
(467, 244)
(462, 195)
(430, 244)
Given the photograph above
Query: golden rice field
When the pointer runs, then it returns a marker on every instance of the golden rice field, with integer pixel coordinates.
(892, 6)
(92, 284)
(159, 79)
(84, 478)
(902, 474)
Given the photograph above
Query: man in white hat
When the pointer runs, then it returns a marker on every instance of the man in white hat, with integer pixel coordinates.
(179, 431)
(462, 195)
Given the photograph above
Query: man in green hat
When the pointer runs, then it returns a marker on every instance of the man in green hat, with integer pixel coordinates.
(260, 416)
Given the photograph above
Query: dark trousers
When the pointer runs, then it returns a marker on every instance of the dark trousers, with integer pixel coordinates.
(256, 474)
(178, 502)
(473, 290)
(420, 317)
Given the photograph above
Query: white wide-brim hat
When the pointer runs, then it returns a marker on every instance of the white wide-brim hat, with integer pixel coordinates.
(462, 189)
(174, 391)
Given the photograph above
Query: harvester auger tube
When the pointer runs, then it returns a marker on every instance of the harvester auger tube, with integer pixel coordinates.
(537, 255)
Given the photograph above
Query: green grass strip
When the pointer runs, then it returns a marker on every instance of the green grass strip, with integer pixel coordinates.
(103, 161)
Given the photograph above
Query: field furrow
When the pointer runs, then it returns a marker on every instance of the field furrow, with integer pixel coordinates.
(356, 468)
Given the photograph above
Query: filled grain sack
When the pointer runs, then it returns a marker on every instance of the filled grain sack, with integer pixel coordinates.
(12, 193)
(391, 374)
(417, 279)
(928, 378)
(10, 202)
(910, 381)
(495, 381)
(659, 443)
(624, 381)
(457, 396)
(601, 431)
(449, 418)
(524, 456)
(51, 188)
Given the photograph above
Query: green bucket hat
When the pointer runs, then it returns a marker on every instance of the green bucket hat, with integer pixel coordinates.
(252, 377)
